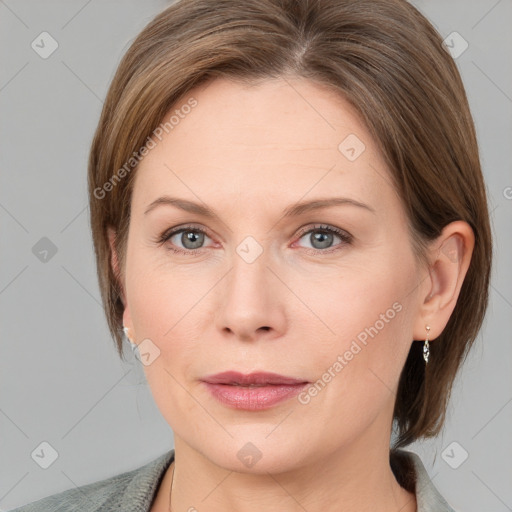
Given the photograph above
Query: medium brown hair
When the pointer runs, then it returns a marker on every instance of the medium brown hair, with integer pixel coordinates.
(388, 61)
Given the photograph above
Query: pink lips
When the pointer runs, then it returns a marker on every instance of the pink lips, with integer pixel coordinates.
(255, 391)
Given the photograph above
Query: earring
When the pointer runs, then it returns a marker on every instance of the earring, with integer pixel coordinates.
(426, 349)
(132, 344)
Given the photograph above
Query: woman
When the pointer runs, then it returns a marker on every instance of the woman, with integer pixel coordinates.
(291, 228)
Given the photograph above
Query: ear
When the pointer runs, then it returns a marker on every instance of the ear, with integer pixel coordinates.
(114, 261)
(450, 256)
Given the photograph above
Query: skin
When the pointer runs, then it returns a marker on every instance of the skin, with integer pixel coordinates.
(249, 153)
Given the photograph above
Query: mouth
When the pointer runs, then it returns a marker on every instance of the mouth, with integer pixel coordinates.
(254, 391)
(254, 379)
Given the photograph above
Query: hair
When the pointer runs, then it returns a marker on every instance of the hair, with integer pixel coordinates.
(382, 56)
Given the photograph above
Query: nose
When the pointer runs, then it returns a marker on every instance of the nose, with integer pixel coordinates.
(251, 303)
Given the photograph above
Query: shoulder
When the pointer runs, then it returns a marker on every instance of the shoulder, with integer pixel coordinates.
(120, 492)
(428, 497)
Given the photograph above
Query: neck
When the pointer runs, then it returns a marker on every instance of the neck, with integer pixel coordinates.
(348, 480)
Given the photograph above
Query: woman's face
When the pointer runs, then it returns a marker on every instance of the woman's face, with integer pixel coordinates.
(266, 288)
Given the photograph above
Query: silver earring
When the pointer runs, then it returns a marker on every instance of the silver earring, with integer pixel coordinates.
(426, 349)
(132, 344)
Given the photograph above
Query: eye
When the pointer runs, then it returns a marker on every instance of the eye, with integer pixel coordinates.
(321, 238)
(191, 238)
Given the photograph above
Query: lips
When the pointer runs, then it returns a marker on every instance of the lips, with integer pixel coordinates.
(252, 392)
(252, 379)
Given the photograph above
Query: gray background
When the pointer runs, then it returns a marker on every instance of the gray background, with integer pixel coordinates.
(61, 380)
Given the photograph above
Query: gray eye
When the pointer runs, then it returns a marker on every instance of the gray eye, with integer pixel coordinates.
(323, 239)
(190, 238)
(194, 238)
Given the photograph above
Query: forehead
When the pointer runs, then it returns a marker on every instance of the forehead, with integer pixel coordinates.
(285, 136)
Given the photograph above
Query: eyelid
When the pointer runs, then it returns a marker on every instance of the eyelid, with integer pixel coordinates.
(319, 226)
(186, 227)
(169, 233)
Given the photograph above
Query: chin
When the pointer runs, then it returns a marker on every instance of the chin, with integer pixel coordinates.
(253, 451)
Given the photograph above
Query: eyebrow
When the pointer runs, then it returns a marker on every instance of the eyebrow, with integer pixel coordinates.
(291, 211)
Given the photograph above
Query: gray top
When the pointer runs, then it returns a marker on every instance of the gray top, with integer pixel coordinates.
(135, 490)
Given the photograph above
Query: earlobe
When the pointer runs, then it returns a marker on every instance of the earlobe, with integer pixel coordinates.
(127, 325)
(451, 256)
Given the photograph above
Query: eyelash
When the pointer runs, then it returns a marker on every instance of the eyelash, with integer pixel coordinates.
(344, 236)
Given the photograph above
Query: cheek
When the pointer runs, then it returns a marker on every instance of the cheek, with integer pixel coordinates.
(357, 367)
(162, 296)
(368, 319)
(163, 309)
(162, 312)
